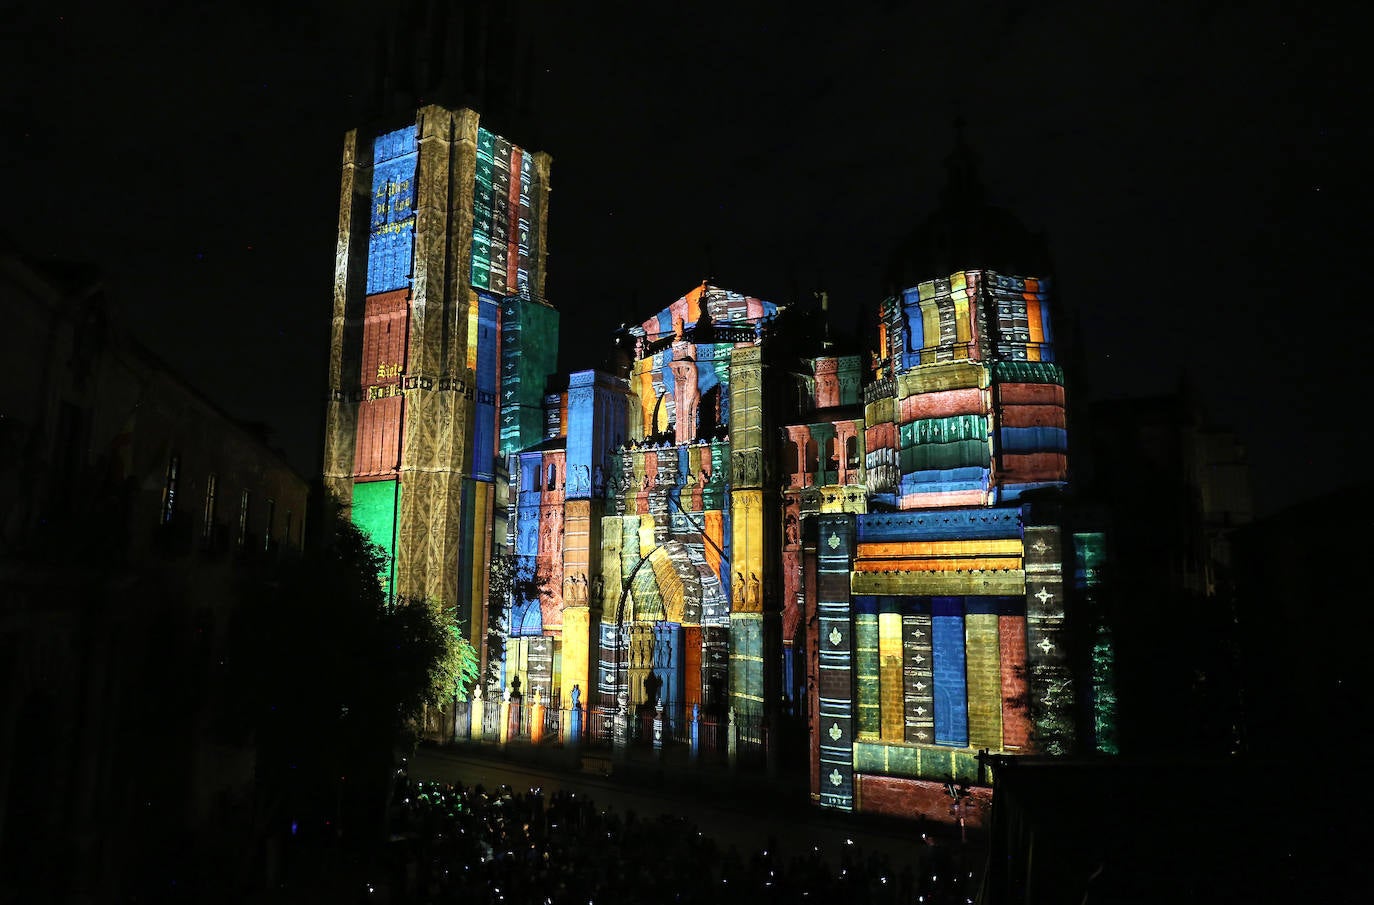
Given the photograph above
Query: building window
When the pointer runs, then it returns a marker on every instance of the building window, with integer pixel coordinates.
(243, 518)
(267, 527)
(169, 489)
(207, 526)
(851, 452)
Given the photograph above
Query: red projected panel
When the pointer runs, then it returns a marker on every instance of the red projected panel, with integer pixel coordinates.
(378, 450)
(385, 318)
(1016, 723)
(378, 441)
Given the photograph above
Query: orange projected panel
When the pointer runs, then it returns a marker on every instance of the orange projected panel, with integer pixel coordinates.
(967, 401)
(1027, 467)
(1010, 546)
(1031, 394)
(714, 520)
(949, 564)
(1033, 416)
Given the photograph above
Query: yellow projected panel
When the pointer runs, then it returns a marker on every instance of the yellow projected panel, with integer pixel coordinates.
(646, 532)
(939, 584)
(746, 550)
(953, 375)
(577, 657)
(610, 565)
(890, 676)
(984, 674)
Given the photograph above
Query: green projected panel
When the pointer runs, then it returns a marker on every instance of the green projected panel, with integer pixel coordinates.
(375, 504)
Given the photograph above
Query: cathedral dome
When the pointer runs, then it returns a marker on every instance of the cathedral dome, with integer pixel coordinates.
(966, 233)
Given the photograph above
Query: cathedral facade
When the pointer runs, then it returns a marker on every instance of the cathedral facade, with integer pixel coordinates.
(732, 519)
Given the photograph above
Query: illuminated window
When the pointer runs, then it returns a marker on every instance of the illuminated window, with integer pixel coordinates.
(207, 525)
(169, 489)
(243, 518)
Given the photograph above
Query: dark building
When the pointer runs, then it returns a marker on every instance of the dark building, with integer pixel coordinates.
(1301, 628)
(1168, 490)
(129, 505)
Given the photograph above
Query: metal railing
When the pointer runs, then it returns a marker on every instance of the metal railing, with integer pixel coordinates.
(739, 737)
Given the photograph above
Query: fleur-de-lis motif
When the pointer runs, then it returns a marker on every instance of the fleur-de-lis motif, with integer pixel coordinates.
(835, 637)
(836, 731)
(835, 778)
(834, 541)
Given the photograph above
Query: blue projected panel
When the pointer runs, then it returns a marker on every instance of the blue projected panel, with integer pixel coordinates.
(391, 238)
(1034, 439)
(951, 687)
(485, 427)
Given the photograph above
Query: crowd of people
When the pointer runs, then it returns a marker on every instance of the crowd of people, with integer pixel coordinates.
(452, 843)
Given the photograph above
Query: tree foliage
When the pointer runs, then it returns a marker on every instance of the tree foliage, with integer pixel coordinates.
(331, 678)
(509, 581)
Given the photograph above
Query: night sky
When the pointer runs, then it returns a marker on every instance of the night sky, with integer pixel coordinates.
(1192, 168)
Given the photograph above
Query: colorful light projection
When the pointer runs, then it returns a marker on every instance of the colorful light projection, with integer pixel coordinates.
(834, 739)
(501, 216)
(391, 240)
(957, 628)
(683, 364)
(1090, 555)
(375, 504)
(969, 408)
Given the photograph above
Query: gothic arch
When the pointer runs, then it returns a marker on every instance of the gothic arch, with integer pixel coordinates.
(670, 586)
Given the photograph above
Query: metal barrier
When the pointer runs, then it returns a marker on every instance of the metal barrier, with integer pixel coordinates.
(706, 737)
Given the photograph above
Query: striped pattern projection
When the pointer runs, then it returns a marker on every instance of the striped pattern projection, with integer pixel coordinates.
(918, 676)
(529, 352)
(653, 379)
(391, 236)
(501, 216)
(1021, 307)
(614, 651)
(951, 693)
(746, 661)
(835, 731)
(942, 321)
(1032, 437)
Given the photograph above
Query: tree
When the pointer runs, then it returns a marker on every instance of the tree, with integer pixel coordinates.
(509, 581)
(331, 680)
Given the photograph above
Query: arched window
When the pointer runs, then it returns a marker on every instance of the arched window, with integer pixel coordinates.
(790, 457)
(812, 457)
(552, 476)
(851, 451)
(832, 454)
